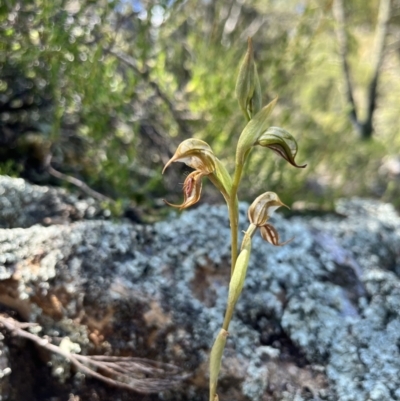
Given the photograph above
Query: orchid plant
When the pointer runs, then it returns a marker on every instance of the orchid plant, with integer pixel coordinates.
(198, 155)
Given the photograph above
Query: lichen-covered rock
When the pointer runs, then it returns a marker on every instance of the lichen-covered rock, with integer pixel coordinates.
(318, 318)
(351, 322)
(23, 205)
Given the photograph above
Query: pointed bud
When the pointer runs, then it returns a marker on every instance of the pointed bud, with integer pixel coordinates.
(196, 154)
(239, 273)
(252, 131)
(281, 142)
(269, 234)
(263, 207)
(248, 89)
(191, 190)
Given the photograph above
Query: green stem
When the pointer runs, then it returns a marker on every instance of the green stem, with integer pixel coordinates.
(219, 345)
(228, 317)
(235, 289)
(215, 362)
(233, 218)
(234, 215)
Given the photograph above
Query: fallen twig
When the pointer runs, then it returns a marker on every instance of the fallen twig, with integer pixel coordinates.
(137, 374)
(75, 181)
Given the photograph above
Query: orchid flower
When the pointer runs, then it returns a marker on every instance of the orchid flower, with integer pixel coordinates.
(260, 211)
(198, 155)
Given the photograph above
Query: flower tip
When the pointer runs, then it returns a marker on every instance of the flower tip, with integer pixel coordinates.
(180, 207)
(298, 165)
(284, 243)
(168, 163)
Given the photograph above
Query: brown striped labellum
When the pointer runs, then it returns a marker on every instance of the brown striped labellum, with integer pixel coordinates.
(191, 190)
(269, 234)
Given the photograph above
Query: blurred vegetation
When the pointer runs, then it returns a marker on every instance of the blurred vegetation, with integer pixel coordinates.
(101, 92)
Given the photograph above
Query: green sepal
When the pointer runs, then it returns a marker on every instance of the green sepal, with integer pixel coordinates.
(281, 142)
(252, 131)
(221, 179)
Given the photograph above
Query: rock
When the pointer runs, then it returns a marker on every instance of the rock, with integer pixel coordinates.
(318, 318)
(23, 205)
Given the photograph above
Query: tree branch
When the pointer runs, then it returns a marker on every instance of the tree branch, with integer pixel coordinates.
(364, 128)
(380, 39)
(78, 183)
(129, 61)
(338, 12)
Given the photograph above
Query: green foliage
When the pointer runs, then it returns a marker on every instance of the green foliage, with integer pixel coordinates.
(110, 90)
(10, 168)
